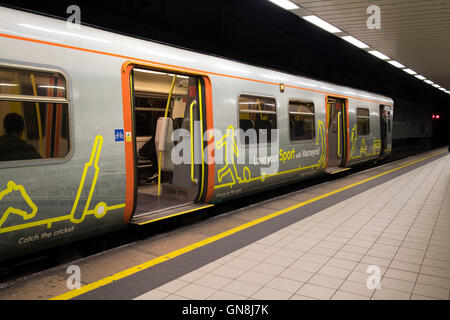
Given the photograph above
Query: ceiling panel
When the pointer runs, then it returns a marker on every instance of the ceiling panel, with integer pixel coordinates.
(414, 32)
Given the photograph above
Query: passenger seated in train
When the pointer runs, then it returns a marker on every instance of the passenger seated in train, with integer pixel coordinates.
(12, 147)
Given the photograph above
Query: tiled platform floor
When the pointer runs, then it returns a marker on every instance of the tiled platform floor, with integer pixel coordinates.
(401, 226)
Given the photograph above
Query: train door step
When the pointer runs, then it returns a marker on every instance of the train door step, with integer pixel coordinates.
(336, 170)
(149, 217)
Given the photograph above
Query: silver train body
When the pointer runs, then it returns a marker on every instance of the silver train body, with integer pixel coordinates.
(91, 99)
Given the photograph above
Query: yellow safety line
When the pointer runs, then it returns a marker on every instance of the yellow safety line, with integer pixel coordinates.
(173, 254)
(176, 214)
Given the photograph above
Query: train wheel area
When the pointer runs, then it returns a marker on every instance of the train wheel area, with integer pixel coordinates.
(382, 233)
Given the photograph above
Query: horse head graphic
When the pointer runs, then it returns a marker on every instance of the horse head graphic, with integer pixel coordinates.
(23, 207)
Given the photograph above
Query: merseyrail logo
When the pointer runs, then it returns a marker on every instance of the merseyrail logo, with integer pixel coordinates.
(77, 214)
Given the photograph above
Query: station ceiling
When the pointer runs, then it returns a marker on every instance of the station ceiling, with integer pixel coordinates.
(262, 33)
(415, 33)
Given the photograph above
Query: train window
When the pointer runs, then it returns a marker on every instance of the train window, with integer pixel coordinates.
(258, 113)
(34, 115)
(32, 83)
(301, 120)
(363, 121)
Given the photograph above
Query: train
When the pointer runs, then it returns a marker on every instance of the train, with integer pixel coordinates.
(100, 130)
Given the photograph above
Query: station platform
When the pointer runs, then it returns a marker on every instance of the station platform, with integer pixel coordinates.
(382, 233)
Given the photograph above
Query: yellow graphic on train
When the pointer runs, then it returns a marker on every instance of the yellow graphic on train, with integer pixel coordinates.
(230, 152)
(230, 166)
(12, 189)
(353, 139)
(363, 148)
(93, 161)
(100, 210)
(376, 146)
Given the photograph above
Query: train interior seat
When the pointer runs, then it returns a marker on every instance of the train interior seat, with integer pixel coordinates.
(164, 143)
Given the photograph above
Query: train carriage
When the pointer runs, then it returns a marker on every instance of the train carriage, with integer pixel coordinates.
(99, 130)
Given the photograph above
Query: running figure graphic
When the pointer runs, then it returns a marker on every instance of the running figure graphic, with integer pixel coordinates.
(230, 153)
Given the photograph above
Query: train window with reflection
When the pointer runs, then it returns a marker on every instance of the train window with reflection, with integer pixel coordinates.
(257, 118)
(362, 121)
(34, 115)
(301, 120)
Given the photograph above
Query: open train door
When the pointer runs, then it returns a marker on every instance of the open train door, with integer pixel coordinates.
(167, 124)
(385, 130)
(337, 134)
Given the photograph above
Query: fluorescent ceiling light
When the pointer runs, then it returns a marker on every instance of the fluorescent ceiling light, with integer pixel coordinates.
(52, 87)
(429, 81)
(161, 73)
(355, 42)
(178, 76)
(256, 103)
(378, 54)
(321, 24)
(149, 71)
(396, 64)
(409, 71)
(9, 85)
(436, 85)
(420, 77)
(443, 89)
(285, 4)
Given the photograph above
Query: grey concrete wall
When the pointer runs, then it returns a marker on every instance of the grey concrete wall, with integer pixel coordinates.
(412, 119)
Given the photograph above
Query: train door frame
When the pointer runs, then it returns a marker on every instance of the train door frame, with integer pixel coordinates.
(389, 123)
(206, 183)
(344, 128)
